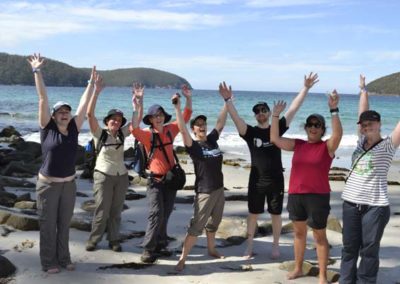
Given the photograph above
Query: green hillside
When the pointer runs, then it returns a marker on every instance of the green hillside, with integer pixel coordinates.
(388, 85)
(15, 70)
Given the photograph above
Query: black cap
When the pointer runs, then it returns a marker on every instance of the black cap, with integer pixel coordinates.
(262, 104)
(369, 115)
(152, 111)
(112, 112)
(318, 117)
(193, 121)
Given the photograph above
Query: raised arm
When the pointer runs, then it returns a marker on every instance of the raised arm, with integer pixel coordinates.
(137, 104)
(36, 62)
(337, 130)
(187, 139)
(219, 126)
(309, 82)
(363, 104)
(84, 101)
(90, 113)
(187, 92)
(227, 95)
(280, 142)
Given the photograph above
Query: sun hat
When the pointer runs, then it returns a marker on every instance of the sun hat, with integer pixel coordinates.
(152, 111)
(112, 112)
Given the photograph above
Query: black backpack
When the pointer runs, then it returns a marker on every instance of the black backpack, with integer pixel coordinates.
(91, 151)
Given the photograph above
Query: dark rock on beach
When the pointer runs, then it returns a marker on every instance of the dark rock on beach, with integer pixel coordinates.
(7, 268)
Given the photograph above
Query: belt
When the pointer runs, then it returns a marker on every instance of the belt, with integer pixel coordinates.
(360, 207)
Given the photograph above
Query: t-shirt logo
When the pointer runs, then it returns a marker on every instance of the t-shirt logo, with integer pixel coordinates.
(207, 153)
(364, 166)
(258, 143)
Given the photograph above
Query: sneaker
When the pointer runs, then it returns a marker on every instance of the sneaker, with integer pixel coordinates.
(90, 246)
(148, 257)
(70, 267)
(53, 270)
(115, 246)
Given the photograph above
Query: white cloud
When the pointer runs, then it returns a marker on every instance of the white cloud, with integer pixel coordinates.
(342, 55)
(187, 3)
(384, 55)
(298, 16)
(284, 3)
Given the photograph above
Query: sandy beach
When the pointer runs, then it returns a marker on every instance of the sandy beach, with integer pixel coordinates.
(200, 268)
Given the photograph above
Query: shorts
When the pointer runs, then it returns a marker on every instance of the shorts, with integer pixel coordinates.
(273, 191)
(313, 208)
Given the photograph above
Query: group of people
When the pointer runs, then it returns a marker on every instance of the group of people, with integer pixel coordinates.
(366, 208)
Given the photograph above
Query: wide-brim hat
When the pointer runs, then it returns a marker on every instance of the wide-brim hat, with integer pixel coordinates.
(112, 112)
(260, 104)
(369, 115)
(193, 121)
(152, 111)
(59, 105)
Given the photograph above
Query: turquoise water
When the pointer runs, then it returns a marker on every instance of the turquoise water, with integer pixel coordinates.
(19, 105)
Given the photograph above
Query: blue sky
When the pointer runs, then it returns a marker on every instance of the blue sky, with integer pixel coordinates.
(261, 45)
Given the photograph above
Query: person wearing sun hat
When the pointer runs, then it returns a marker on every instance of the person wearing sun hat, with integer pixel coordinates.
(266, 181)
(110, 177)
(366, 207)
(309, 190)
(56, 187)
(160, 198)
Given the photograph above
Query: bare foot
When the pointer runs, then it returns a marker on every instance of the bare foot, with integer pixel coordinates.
(54, 270)
(214, 253)
(70, 267)
(275, 254)
(294, 274)
(248, 253)
(180, 266)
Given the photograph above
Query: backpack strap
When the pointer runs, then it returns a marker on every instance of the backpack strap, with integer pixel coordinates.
(102, 141)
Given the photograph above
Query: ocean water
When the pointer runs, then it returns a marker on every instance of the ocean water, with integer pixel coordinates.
(19, 106)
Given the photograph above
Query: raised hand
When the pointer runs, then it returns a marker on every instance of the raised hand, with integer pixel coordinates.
(93, 75)
(310, 80)
(225, 91)
(362, 82)
(98, 83)
(186, 91)
(36, 61)
(176, 101)
(333, 100)
(279, 106)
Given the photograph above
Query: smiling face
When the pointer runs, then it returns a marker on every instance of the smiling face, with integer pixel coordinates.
(157, 120)
(200, 129)
(62, 116)
(314, 129)
(114, 122)
(262, 114)
(370, 128)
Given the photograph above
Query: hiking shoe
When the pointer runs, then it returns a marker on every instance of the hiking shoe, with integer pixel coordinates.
(90, 246)
(148, 257)
(115, 246)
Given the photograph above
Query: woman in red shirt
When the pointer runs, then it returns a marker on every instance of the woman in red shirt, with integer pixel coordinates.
(309, 190)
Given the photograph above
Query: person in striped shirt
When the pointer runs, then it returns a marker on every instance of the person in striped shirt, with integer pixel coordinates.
(366, 208)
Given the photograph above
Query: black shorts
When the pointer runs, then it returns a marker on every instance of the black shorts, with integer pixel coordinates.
(273, 191)
(313, 208)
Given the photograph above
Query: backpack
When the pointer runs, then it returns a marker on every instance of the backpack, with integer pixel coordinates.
(140, 162)
(91, 151)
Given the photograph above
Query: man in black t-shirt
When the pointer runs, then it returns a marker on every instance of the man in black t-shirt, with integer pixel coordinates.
(266, 179)
(209, 184)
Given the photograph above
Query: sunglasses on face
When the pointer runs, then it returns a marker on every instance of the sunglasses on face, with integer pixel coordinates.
(157, 115)
(261, 109)
(317, 125)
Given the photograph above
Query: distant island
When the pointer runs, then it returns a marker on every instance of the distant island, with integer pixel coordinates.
(387, 85)
(14, 70)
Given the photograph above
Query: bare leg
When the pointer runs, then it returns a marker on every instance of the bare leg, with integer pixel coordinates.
(251, 228)
(276, 231)
(211, 245)
(300, 235)
(322, 245)
(187, 247)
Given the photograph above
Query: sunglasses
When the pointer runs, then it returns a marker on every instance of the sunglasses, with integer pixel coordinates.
(317, 125)
(261, 109)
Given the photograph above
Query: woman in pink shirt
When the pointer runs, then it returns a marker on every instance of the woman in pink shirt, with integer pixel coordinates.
(309, 190)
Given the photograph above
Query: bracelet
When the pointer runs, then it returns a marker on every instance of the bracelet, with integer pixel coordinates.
(335, 113)
(90, 82)
(228, 99)
(363, 90)
(276, 116)
(332, 110)
(35, 70)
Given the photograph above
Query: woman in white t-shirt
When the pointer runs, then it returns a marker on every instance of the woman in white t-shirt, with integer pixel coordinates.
(366, 208)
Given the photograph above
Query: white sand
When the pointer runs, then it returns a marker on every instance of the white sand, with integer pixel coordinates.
(199, 267)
